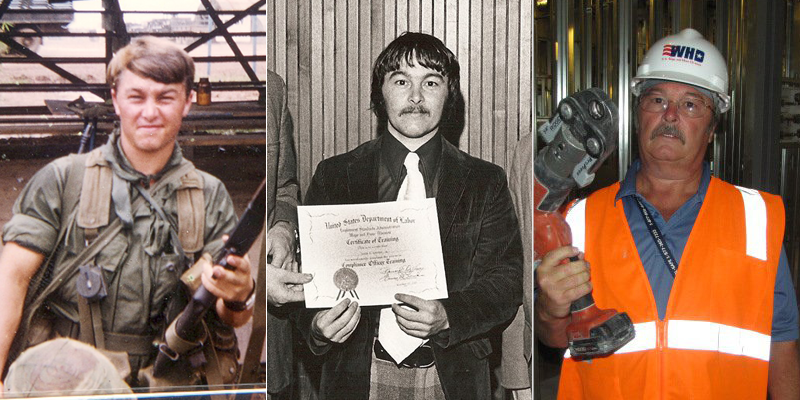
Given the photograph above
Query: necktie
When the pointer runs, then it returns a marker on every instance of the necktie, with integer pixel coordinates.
(396, 342)
(413, 186)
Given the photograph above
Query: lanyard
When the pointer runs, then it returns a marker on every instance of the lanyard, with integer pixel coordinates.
(658, 238)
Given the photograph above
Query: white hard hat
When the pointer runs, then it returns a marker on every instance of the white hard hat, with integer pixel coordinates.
(686, 58)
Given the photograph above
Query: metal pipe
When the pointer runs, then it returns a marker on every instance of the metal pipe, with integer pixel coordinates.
(623, 92)
(561, 69)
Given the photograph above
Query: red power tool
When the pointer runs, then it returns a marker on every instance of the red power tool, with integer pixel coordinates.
(579, 137)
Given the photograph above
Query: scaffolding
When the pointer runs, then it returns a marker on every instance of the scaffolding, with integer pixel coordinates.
(215, 22)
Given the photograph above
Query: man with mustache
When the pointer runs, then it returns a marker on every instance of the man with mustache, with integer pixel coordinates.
(415, 94)
(695, 262)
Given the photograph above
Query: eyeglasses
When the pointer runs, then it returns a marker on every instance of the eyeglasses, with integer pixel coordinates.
(691, 107)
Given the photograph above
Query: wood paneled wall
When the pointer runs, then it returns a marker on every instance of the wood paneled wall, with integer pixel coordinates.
(324, 50)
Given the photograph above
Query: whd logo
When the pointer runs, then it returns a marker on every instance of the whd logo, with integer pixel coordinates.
(685, 52)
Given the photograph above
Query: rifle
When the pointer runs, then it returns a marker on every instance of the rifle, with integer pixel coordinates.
(185, 333)
(91, 113)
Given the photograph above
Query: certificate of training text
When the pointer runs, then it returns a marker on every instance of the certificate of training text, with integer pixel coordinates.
(370, 252)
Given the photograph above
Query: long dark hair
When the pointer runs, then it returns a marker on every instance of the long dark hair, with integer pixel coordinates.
(427, 51)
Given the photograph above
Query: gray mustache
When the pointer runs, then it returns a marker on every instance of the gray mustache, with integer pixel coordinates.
(668, 130)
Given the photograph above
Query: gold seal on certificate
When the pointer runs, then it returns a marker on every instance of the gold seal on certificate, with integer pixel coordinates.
(346, 279)
(381, 248)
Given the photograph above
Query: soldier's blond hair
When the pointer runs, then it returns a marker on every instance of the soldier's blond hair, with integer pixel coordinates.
(153, 58)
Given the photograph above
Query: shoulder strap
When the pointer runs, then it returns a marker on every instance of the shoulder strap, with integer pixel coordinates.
(191, 211)
(68, 213)
(41, 283)
(98, 244)
(95, 204)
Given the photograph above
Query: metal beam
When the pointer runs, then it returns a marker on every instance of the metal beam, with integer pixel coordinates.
(5, 37)
(160, 34)
(11, 43)
(212, 13)
(166, 12)
(4, 7)
(76, 87)
(587, 43)
(114, 23)
(762, 125)
(239, 16)
(626, 46)
(561, 68)
(88, 60)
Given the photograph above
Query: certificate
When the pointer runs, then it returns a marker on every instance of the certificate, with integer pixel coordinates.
(370, 252)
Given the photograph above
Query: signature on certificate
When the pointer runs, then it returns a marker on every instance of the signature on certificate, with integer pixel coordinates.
(401, 273)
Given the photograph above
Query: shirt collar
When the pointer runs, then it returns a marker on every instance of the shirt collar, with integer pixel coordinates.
(628, 185)
(394, 154)
(119, 162)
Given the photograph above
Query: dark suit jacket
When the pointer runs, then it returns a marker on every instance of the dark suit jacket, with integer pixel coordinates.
(516, 362)
(282, 195)
(483, 262)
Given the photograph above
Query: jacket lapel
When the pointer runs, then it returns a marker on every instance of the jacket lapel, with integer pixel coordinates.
(452, 184)
(362, 182)
(362, 177)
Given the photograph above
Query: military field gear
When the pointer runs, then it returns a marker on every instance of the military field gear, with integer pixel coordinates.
(239, 306)
(141, 264)
(64, 366)
(188, 324)
(214, 357)
(186, 334)
(92, 331)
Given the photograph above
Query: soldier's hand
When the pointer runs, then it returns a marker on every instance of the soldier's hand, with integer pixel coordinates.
(281, 246)
(285, 286)
(561, 284)
(336, 324)
(230, 285)
(427, 318)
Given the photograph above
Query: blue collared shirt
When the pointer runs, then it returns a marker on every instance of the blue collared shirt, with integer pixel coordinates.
(676, 233)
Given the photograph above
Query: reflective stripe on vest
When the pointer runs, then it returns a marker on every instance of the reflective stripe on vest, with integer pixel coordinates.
(700, 335)
(755, 211)
(576, 219)
(714, 341)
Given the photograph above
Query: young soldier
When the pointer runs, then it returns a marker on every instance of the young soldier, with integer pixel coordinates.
(169, 213)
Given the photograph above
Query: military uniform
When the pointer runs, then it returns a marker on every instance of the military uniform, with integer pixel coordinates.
(141, 265)
(61, 366)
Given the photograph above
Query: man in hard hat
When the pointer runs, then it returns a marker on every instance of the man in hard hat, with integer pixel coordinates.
(695, 262)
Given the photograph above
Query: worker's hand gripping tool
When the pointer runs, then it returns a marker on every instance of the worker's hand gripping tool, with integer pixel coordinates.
(579, 137)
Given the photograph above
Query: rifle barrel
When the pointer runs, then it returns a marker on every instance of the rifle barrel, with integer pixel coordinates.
(187, 325)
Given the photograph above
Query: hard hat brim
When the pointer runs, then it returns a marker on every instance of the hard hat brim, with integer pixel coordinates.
(722, 100)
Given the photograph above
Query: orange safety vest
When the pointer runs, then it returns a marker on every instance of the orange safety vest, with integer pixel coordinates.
(714, 342)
